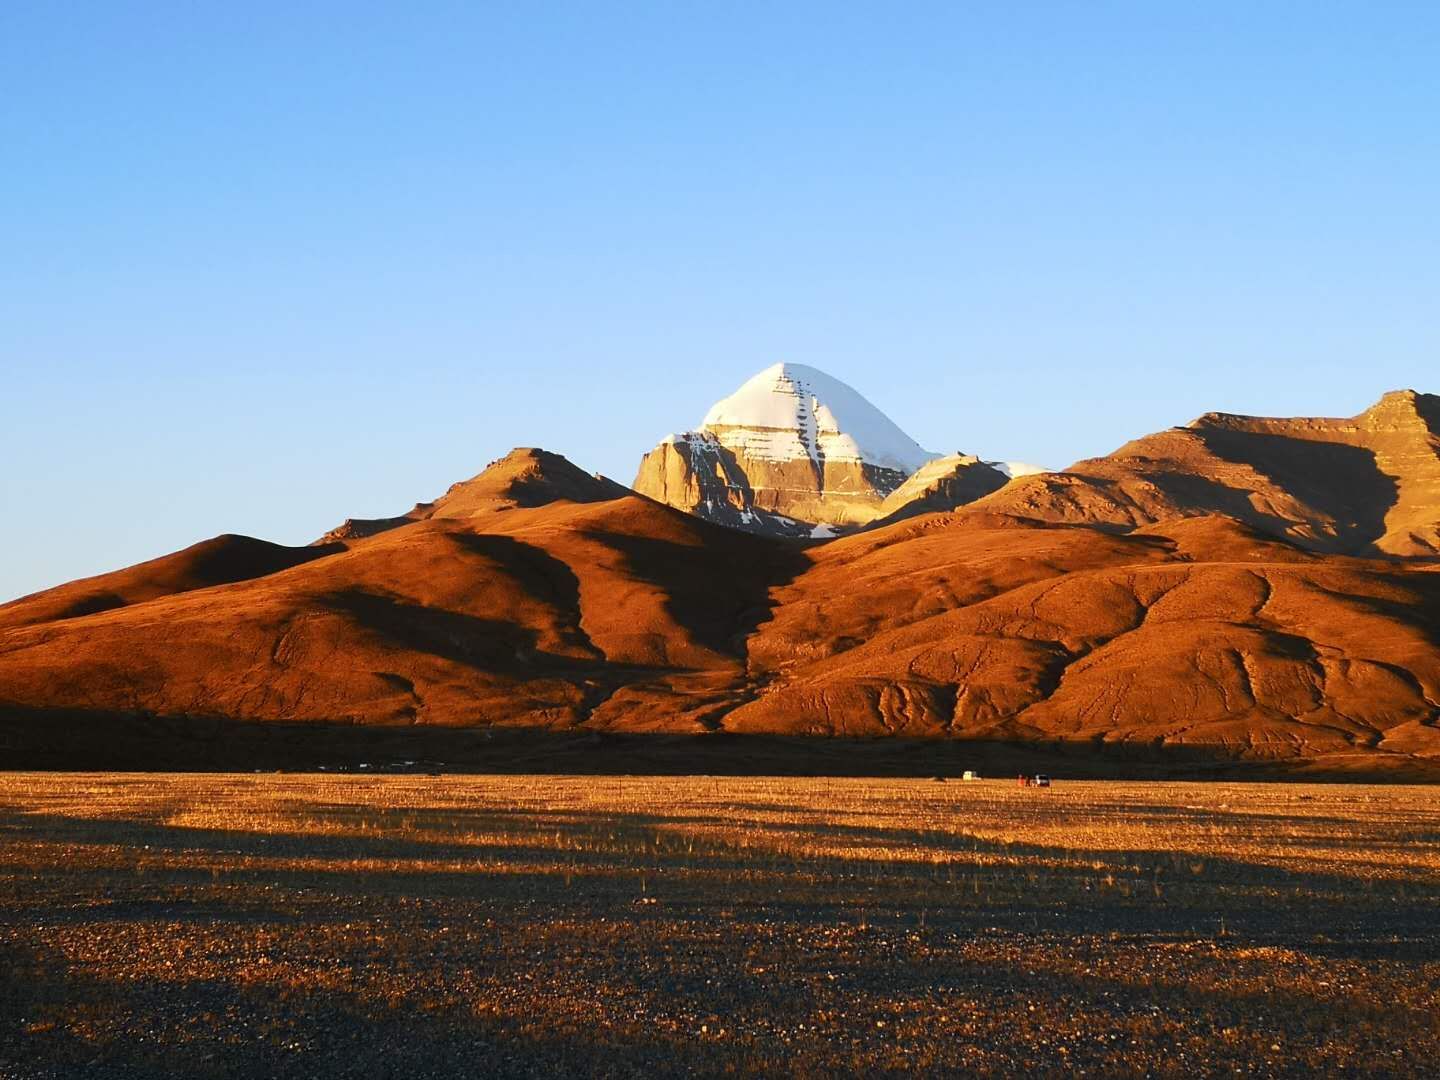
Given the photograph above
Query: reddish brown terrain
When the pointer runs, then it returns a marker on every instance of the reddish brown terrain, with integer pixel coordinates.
(1366, 485)
(1238, 592)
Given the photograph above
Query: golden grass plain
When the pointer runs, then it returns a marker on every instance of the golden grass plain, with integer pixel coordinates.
(413, 925)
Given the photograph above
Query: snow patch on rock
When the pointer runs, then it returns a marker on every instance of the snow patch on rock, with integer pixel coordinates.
(1013, 469)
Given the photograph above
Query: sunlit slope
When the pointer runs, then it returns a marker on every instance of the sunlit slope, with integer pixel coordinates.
(218, 561)
(1040, 633)
(537, 619)
(1369, 484)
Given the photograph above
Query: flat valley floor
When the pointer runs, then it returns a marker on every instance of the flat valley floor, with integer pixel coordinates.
(413, 925)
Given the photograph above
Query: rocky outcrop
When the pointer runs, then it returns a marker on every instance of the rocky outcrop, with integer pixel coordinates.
(697, 472)
(942, 484)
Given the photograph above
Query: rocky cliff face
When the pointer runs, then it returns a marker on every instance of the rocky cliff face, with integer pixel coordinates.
(793, 451)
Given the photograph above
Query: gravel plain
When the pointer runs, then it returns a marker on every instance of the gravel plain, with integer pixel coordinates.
(411, 926)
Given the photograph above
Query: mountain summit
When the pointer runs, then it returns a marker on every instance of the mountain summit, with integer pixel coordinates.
(525, 477)
(793, 451)
(790, 410)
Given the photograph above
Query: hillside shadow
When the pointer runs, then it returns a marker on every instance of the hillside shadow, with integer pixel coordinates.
(493, 646)
(541, 574)
(92, 604)
(487, 644)
(1428, 407)
(1342, 482)
(1190, 490)
(1424, 616)
(719, 593)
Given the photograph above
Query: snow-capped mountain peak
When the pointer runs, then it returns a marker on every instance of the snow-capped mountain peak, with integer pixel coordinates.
(793, 411)
(796, 452)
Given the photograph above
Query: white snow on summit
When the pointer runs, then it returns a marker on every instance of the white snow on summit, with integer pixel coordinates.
(791, 410)
(1013, 469)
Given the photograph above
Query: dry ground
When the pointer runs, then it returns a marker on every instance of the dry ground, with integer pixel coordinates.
(399, 926)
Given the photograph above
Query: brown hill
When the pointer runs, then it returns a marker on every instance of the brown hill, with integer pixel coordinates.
(1370, 484)
(535, 596)
(537, 616)
(1072, 634)
(525, 477)
(218, 561)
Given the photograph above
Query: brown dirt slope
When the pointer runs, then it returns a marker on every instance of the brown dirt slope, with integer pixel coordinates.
(1040, 634)
(1370, 484)
(538, 616)
(525, 477)
(221, 560)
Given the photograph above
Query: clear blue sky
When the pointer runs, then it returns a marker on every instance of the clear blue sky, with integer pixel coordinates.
(266, 266)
